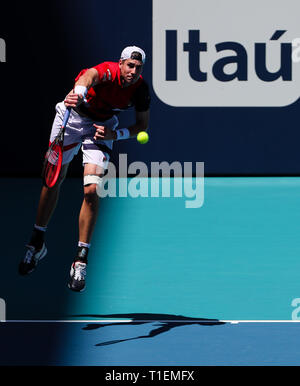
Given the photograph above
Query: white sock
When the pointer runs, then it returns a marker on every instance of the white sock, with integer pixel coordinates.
(82, 244)
(43, 229)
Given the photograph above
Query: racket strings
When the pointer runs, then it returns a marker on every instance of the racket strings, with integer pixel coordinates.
(53, 156)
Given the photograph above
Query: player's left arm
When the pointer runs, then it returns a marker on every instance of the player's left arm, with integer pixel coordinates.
(141, 124)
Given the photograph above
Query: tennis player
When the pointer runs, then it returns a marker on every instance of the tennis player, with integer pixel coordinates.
(99, 94)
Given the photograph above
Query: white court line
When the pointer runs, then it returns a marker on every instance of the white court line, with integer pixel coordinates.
(149, 321)
(259, 321)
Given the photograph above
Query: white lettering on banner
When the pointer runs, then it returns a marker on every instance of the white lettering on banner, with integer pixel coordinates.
(233, 53)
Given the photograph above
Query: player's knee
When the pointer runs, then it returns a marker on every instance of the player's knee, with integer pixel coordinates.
(90, 194)
(90, 190)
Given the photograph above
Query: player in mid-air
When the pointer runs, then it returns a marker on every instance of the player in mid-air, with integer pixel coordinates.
(99, 94)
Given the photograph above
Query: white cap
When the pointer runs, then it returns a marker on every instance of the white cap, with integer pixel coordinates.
(133, 52)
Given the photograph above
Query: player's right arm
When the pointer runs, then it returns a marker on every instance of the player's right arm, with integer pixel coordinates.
(87, 80)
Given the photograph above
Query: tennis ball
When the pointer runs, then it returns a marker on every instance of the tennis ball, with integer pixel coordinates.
(142, 137)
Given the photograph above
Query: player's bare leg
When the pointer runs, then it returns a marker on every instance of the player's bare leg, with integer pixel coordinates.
(87, 220)
(90, 205)
(48, 199)
(36, 248)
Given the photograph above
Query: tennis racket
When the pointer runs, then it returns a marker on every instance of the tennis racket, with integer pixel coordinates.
(54, 155)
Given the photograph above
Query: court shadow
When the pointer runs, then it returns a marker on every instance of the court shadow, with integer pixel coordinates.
(165, 323)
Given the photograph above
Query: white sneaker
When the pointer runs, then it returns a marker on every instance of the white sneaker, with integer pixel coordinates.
(77, 274)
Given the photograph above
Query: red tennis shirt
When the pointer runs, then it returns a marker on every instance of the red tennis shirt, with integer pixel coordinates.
(108, 97)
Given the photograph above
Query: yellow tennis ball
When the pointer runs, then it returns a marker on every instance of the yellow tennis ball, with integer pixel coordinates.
(142, 137)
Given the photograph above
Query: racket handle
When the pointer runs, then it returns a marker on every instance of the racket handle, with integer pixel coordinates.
(66, 117)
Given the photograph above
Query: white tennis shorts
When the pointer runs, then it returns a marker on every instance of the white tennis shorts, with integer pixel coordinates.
(79, 133)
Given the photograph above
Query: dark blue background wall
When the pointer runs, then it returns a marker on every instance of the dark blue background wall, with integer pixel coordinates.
(48, 43)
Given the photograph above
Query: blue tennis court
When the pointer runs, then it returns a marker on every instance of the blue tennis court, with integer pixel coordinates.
(207, 280)
(149, 343)
(166, 285)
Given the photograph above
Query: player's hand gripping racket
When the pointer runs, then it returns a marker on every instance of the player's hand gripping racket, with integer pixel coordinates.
(54, 155)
